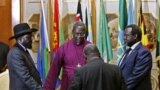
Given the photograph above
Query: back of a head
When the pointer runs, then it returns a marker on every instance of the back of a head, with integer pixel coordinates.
(91, 50)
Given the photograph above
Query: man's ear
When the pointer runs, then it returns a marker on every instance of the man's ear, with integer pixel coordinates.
(135, 36)
(20, 40)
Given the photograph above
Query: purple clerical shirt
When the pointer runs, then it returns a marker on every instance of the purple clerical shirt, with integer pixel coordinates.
(69, 56)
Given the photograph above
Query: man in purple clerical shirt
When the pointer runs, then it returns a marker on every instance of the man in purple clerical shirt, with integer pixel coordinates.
(69, 56)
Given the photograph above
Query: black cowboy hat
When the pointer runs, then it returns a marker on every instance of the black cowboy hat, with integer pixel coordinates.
(22, 29)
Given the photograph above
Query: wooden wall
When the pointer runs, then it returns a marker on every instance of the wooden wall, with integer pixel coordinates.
(5, 21)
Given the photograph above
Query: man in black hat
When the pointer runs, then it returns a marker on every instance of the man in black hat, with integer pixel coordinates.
(23, 74)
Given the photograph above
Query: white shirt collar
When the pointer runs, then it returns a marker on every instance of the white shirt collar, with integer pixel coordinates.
(134, 45)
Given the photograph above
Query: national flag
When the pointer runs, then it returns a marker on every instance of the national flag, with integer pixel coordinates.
(89, 35)
(61, 33)
(44, 47)
(79, 12)
(144, 39)
(55, 35)
(104, 41)
(131, 14)
(122, 24)
(58, 33)
(61, 41)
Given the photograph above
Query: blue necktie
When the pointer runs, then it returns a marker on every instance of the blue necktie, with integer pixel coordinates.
(125, 57)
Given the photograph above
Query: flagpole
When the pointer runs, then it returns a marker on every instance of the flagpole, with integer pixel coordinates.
(46, 32)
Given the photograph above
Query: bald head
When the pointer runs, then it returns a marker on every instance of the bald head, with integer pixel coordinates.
(91, 51)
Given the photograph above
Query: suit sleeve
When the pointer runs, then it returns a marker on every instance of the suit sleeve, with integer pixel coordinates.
(52, 77)
(119, 81)
(76, 83)
(17, 63)
(123, 85)
(143, 65)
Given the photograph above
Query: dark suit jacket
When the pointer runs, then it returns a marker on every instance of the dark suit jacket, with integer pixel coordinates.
(97, 75)
(23, 74)
(4, 49)
(137, 69)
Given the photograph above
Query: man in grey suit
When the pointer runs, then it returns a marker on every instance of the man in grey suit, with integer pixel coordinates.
(23, 74)
(96, 75)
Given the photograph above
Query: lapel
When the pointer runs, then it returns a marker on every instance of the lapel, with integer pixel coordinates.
(28, 59)
(29, 62)
(131, 55)
(121, 59)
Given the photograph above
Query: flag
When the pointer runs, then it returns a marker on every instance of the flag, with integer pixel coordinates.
(61, 33)
(61, 42)
(122, 24)
(55, 35)
(58, 33)
(131, 17)
(88, 24)
(79, 12)
(104, 41)
(144, 39)
(44, 47)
